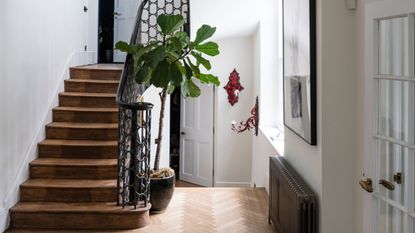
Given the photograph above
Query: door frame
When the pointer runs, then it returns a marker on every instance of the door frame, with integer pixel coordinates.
(214, 138)
(100, 49)
(372, 13)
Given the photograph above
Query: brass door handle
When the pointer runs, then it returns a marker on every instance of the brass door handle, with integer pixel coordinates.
(367, 185)
(387, 184)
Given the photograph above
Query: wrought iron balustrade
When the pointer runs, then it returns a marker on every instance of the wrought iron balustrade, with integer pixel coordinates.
(134, 143)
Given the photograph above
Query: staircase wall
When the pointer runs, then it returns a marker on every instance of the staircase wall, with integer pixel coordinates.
(40, 41)
(233, 151)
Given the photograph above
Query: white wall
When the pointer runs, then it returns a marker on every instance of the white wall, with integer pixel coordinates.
(262, 149)
(151, 95)
(268, 87)
(259, 20)
(339, 52)
(233, 151)
(93, 14)
(39, 40)
(233, 18)
(330, 166)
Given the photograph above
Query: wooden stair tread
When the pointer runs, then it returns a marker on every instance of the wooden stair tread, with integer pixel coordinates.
(63, 231)
(78, 142)
(75, 207)
(58, 162)
(98, 81)
(73, 184)
(83, 125)
(87, 94)
(108, 66)
(69, 183)
(81, 109)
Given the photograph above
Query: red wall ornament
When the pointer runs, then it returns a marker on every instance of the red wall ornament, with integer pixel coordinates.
(233, 87)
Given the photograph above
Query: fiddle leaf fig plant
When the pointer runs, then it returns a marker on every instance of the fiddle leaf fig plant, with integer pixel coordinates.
(173, 62)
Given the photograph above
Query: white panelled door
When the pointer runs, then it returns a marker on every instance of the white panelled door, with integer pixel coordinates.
(196, 139)
(125, 14)
(390, 127)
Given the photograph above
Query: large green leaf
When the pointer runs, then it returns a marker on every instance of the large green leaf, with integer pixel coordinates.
(124, 47)
(201, 60)
(203, 79)
(155, 56)
(140, 50)
(195, 69)
(166, 74)
(183, 37)
(189, 71)
(189, 89)
(209, 78)
(209, 48)
(170, 23)
(181, 68)
(140, 54)
(204, 33)
(137, 48)
(194, 91)
(177, 45)
(170, 89)
(174, 74)
(143, 74)
(137, 64)
(173, 56)
(159, 76)
(185, 89)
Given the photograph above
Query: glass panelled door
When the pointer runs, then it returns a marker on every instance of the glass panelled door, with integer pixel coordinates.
(394, 145)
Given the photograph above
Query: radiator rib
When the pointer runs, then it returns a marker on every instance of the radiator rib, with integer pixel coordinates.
(293, 205)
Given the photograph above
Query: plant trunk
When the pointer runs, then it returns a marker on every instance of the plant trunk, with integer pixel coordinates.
(163, 97)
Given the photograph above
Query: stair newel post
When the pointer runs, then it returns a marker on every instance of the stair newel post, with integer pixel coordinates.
(133, 158)
(119, 157)
(148, 155)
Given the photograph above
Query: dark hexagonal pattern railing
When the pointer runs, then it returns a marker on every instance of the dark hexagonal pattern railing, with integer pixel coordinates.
(134, 115)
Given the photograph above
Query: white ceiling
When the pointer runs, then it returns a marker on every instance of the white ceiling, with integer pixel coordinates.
(231, 17)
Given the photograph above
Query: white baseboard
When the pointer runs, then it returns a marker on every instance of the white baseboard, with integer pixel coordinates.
(232, 184)
(12, 197)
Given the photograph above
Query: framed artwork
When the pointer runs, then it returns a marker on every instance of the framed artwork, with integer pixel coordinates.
(300, 95)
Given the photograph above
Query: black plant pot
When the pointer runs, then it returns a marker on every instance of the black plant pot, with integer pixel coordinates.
(161, 192)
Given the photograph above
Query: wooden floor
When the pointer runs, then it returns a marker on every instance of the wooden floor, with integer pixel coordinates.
(218, 210)
(209, 210)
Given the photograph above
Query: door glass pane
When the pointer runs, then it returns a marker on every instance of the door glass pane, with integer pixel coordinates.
(391, 220)
(392, 160)
(393, 109)
(393, 47)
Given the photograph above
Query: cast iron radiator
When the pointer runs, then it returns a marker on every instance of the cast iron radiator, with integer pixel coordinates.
(292, 204)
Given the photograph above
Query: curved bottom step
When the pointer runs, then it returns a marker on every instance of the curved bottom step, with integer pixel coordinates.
(77, 216)
(77, 231)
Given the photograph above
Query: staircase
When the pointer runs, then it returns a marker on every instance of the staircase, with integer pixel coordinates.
(73, 184)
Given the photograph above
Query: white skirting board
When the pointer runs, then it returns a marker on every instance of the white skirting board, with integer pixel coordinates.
(12, 197)
(232, 184)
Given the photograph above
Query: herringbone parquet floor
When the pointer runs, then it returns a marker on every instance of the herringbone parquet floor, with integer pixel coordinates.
(207, 210)
(214, 210)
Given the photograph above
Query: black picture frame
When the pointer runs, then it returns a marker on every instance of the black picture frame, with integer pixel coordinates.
(299, 68)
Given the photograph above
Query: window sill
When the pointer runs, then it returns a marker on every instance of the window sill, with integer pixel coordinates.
(275, 138)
